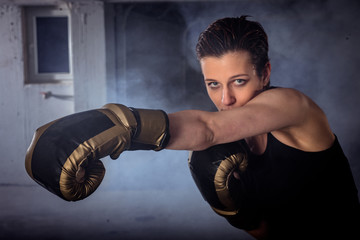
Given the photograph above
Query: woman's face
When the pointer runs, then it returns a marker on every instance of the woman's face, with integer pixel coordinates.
(231, 80)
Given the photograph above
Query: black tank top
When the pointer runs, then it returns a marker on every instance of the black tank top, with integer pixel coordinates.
(313, 190)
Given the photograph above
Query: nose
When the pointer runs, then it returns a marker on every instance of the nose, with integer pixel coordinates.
(227, 98)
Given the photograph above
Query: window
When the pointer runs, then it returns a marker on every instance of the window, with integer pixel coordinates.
(48, 44)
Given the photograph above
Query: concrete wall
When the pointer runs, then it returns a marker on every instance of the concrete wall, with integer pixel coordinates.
(88, 34)
(23, 108)
(12, 128)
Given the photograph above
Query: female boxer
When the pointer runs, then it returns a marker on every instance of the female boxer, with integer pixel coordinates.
(302, 181)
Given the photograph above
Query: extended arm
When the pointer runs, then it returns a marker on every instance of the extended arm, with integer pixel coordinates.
(65, 154)
(284, 110)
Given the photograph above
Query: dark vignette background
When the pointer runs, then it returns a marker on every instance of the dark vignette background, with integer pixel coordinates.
(313, 47)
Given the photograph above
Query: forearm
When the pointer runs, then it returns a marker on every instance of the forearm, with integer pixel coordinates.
(198, 130)
(190, 130)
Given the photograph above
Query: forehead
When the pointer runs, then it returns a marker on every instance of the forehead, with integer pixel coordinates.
(229, 63)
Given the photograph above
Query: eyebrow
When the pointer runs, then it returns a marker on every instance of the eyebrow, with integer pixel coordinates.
(239, 75)
(232, 77)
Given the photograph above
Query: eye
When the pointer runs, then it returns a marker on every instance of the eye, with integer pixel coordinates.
(213, 84)
(240, 82)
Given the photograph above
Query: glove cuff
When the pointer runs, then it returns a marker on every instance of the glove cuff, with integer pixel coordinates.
(149, 128)
(152, 130)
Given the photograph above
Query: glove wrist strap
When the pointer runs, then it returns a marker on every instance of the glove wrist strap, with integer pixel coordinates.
(152, 130)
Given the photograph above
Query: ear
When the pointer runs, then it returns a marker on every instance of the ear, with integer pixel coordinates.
(266, 74)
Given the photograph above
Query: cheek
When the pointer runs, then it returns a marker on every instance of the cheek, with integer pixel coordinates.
(243, 96)
(214, 97)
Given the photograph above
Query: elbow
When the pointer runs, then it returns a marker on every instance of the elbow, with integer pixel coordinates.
(207, 138)
(206, 142)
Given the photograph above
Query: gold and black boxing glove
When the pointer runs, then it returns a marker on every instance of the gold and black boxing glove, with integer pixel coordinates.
(64, 155)
(231, 197)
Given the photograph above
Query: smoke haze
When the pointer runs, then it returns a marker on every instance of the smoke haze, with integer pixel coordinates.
(314, 47)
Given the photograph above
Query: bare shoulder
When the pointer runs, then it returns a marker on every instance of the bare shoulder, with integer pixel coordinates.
(296, 100)
(311, 131)
(285, 95)
(287, 102)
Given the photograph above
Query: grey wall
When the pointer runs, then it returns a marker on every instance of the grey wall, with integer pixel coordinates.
(23, 107)
(313, 47)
